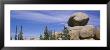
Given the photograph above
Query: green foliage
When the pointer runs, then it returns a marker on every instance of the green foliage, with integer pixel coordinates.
(49, 36)
(20, 35)
(65, 35)
(65, 31)
(46, 34)
(41, 38)
(16, 34)
(15, 37)
(53, 37)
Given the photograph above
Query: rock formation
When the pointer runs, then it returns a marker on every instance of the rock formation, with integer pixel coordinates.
(78, 28)
(74, 32)
(81, 32)
(87, 32)
(97, 34)
(58, 35)
(78, 19)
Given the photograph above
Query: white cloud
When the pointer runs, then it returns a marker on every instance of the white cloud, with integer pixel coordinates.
(55, 17)
(39, 17)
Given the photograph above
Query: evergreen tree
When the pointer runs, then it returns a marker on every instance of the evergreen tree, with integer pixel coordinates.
(65, 31)
(41, 38)
(20, 35)
(65, 35)
(16, 34)
(46, 34)
(11, 38)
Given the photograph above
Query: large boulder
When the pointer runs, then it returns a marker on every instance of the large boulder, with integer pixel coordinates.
(78, 19)
(81, 32)
(74, 32)
(97, 34)
(87, 32)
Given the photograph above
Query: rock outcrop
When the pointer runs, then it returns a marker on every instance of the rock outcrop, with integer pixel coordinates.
(87, 32)
(78, 19)
(97, 34)
(58, 35)
(74, 32)
(81, 32)
(78, 28)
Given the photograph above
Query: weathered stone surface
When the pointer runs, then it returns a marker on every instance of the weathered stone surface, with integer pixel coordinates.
(89, 39)
(74, 35)
(81, 32)
(58, 35)
(87, 31)
(78, 19)
(97, 34)
(74, 32)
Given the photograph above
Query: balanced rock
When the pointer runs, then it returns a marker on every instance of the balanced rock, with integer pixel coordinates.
(78, 19)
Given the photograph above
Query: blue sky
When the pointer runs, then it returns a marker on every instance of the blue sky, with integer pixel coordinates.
(34, 21)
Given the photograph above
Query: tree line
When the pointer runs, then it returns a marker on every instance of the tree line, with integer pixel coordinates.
(18, 35)
(47, 34)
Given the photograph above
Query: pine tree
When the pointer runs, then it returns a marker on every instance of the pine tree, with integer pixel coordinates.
(16, 34)
(46, 34)
(65, 35)
(65, 31)
(11, 38)
(20, 35)
(41, 38)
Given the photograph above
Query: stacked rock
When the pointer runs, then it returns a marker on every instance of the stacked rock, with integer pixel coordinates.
(78, 28)
(78, 19)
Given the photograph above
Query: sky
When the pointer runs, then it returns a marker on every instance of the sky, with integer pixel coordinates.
(34, 21)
